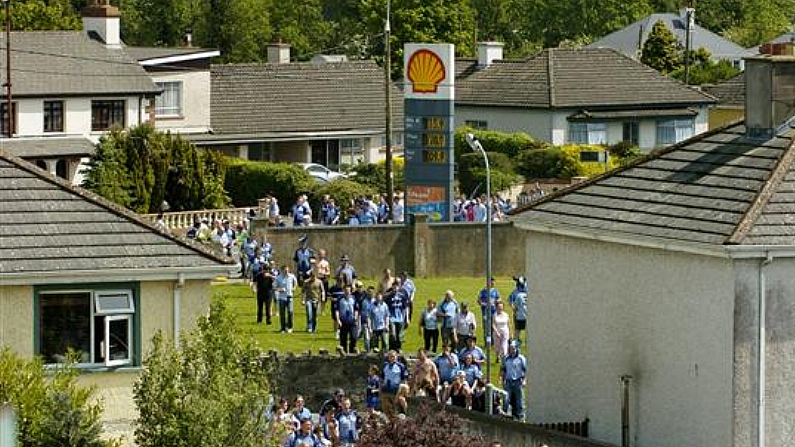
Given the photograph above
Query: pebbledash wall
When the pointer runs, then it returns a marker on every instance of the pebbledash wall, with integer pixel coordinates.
(316, 377)
(421, 248)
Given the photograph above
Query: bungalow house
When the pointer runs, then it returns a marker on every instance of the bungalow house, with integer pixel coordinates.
(70, 87)
(663, 293)
(78, 272)
(731, 101)
(331, 113)
(590, 95)
(630, 39)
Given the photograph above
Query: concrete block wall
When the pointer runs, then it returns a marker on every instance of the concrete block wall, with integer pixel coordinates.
(422, 248)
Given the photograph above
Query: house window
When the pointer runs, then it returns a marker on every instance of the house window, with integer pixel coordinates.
(106, 114)
(4, 118)
(53, 116)
(588, 133)
(351, 151)
(397, 139)
(674, 130)
(477, 124)
(631, 129)
(169, 103)
(97, 325)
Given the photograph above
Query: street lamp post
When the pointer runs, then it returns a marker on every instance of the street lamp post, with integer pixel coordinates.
(475, 145)
(390, 179)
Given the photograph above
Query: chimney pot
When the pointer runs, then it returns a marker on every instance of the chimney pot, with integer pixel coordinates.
(488, 52)
(769, 94)
(278, 53)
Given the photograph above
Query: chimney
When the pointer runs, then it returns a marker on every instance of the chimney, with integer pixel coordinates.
(102, 19)
(769, 94)
(488, 52)
(278, 53)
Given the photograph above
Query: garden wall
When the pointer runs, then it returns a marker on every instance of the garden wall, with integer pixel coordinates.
(422, 248)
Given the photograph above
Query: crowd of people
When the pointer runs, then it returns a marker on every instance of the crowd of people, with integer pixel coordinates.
(376, 210)
(375, 319)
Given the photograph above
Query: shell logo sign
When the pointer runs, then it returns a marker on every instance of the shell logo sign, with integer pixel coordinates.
(425, 71)
(429, 70)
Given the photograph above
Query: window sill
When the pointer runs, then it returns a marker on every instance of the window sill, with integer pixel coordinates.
(169, 117)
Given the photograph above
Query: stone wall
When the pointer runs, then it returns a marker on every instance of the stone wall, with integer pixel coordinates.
(423, 249)
(316, 377)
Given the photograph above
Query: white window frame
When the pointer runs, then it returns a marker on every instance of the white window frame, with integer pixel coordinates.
(168, 104)
(106, 340)
(587, 133)
(678, 128)
(128, 309)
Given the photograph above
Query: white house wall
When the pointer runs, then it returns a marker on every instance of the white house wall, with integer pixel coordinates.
(553, 126)
(195, 101)
(779, 358)
(600, 310)
(77, 115)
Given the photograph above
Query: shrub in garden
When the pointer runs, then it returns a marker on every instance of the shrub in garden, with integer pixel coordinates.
(248, 181)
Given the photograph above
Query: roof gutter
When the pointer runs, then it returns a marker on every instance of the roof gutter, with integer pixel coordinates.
(760, 251)
(120, 275)
(716, 251)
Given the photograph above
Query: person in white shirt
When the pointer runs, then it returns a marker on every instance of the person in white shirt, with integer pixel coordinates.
(397, 210)
(284, 287)
(465, 324)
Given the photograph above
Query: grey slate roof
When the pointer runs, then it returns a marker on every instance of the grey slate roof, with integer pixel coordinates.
(48, 226)
(718, 188)
(48, 147)
(575, 78)
(300, 97)
(730, 92)
(629, 40)
(53, 63)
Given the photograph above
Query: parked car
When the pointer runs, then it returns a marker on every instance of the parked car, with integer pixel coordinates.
(320, 172)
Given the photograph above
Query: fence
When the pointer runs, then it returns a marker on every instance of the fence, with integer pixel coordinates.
(572, 428)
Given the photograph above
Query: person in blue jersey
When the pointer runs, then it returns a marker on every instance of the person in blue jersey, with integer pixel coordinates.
(303, 437)
(446, 365)
(284, 286)
(379, 323)
(299, 409)
(429, 326)
(303, 258)
(398, 304)
(471, 348)
(348, 424)
(487, 299)
(513, 371)
(393, 375)
(518, 302)
(347, 316)
(448, 309)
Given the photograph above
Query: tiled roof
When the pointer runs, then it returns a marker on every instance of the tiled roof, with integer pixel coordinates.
(48, 147)
(579, 78)
(719, 188)
(48, 227)
(730, 92)
(629, 40)
(300, 97)
(49, 63)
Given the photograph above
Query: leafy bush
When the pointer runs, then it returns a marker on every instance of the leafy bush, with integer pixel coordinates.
(139, 168)
(472, 172)
(342, 191)
(429, 428)
(508, 143)
(560, 162)
(53, 410)
(248, 181)
(374, 174)
(625, 152)
(210, 392)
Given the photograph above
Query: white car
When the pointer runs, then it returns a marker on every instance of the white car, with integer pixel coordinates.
(320, 172)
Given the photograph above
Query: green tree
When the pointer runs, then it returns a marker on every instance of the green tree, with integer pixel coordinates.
(661, 50)
(53, 411)
(433, 21)
(156, 22)
(240, 29)
(374, 174)
(248, 181)
(139, 168)
(38, 15)
(762, 21)
(472, 172)
(301, 24)
(212, 391)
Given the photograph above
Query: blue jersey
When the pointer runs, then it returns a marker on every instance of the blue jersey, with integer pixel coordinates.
(473, 372)
(398, 302)
(347, 309)
(447, 367)
(518, 301)
(447, 311)
(514, 367)
(393, 374)
(346, 426)
(379, 316)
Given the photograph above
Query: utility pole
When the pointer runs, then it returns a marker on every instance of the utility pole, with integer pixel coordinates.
(688, 30)
(390, 181)
(10, 113)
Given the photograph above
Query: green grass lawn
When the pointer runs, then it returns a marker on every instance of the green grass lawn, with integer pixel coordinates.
(242, 301)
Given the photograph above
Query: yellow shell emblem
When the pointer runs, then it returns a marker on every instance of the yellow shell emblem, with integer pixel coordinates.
(425, 71)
